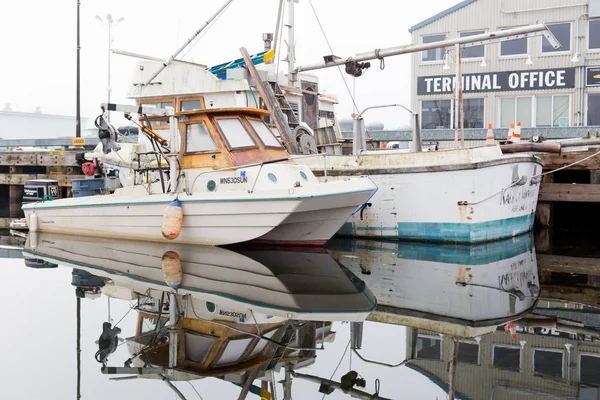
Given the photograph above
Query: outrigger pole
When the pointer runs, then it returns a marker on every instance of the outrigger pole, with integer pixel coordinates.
(469, 41)
(187, 42)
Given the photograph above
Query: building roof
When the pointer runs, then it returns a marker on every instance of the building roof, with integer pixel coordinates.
(440, 15)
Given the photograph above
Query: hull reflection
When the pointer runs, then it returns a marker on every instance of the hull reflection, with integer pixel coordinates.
(451, 289)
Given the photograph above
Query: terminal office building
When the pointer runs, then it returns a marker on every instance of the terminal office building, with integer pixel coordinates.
(524, 80)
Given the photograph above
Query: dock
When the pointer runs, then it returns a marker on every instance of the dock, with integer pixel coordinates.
(17, 167)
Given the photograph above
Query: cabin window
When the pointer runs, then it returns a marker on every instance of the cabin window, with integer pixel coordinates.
(429, 348)
(149, 324)
(260, 346)
(197, 347)
(234, 350)
(474, 51)
(507, 358)
(264, 133)
(190, 105)
(198, 139)
(235, 133)
(168, 105)
(562, 32)
(548, 362)
(154, 120)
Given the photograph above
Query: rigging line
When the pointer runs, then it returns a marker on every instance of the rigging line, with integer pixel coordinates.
(205, 31)
(278, 49)
(190, 383)
(331, 49)
(339, 363)
(130, 308)
(378, 362)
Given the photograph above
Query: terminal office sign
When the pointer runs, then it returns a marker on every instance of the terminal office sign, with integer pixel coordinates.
(506, 81)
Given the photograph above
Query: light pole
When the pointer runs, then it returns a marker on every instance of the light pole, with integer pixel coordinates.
(110, 23)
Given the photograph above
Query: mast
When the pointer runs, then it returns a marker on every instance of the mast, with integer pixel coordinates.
(187, 42)
(291, 44)
(78, 86)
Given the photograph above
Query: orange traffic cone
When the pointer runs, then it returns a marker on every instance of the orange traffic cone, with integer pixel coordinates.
(517, 134)
(511, 329)
(510, 132)
(489, 140)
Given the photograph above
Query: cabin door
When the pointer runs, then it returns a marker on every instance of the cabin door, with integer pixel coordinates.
(310, 105)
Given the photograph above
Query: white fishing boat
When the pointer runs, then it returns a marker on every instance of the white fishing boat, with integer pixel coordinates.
(459, 196)
(274, 285)
(458, 290)
(232, 177)
(465, 195)
(207, 311)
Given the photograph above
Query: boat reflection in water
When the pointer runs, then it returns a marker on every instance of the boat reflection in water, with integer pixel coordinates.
(209, 311)
(456, 290)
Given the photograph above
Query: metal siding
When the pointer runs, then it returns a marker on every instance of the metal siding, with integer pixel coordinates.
(479, 381)
(486, 14)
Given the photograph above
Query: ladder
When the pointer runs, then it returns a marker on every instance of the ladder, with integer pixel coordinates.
(285, 106)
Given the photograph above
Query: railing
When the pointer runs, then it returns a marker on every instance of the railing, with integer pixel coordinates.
(190, 189)
(405, 135)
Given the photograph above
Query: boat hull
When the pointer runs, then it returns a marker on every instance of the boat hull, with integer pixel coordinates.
(469, 201)
(477, 287)
(209, 219)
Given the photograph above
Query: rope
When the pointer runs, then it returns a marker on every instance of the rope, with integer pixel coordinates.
(380, 363)
(331, 50)
(535, 176)
(194, 389)
(381, 59)
(568, 166)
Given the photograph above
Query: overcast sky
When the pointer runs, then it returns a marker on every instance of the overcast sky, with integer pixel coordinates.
(39, 45)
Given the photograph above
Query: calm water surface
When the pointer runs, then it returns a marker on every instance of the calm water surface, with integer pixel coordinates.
(520, 331)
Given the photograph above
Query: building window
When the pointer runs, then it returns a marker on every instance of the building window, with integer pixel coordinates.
(429, 348)
(507, 358)
(552, 111)
(589, 367)
(516, 109)
(433, 54)
(436, 114)
(440, 114)
(475, 51)
(593, 109)
(473, 113)
(198, 139)
(594, 34)
(468, 353)
(562, 32)
(547, 362)
(514, 47)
